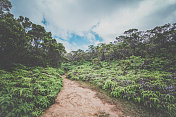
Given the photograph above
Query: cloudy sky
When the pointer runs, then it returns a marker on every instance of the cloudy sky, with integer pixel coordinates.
(79, 23)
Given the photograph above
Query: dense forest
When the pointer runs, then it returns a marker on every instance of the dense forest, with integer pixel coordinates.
(140, 66)
(23, 42)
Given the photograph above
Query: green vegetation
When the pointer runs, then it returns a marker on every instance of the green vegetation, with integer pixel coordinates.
(28, 91)
(23, 42)
(139, 66)
(153, 89)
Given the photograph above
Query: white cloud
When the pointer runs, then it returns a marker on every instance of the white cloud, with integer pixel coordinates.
(139, 17)
(107, 18)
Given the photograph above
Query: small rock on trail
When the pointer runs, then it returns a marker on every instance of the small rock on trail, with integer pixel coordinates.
(76, 101)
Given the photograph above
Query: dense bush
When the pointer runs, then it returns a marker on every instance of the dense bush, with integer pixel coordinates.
(130, 80)
(28, 91)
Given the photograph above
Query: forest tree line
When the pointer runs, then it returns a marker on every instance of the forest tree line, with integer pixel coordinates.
(158, 44)
(24, 42)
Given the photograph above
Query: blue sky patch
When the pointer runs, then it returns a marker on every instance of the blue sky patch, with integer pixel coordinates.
(84, 40)
(80, 40)
(44, 21)
(97, 36)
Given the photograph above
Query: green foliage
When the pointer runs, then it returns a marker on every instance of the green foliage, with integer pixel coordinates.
(67, 66)
(128, 79)
(5, 6)
(152, 49)
(138, 66)
(24, 42)
(28, 91)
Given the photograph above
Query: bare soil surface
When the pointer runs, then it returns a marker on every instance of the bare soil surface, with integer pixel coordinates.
(77, 101)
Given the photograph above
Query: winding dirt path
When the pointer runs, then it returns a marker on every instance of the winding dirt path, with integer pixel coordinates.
(75, 101)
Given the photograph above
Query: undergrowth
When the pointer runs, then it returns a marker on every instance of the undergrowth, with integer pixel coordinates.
(130, 79)
(28, 91)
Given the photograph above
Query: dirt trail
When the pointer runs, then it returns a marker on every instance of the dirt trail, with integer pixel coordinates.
(75, 101)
